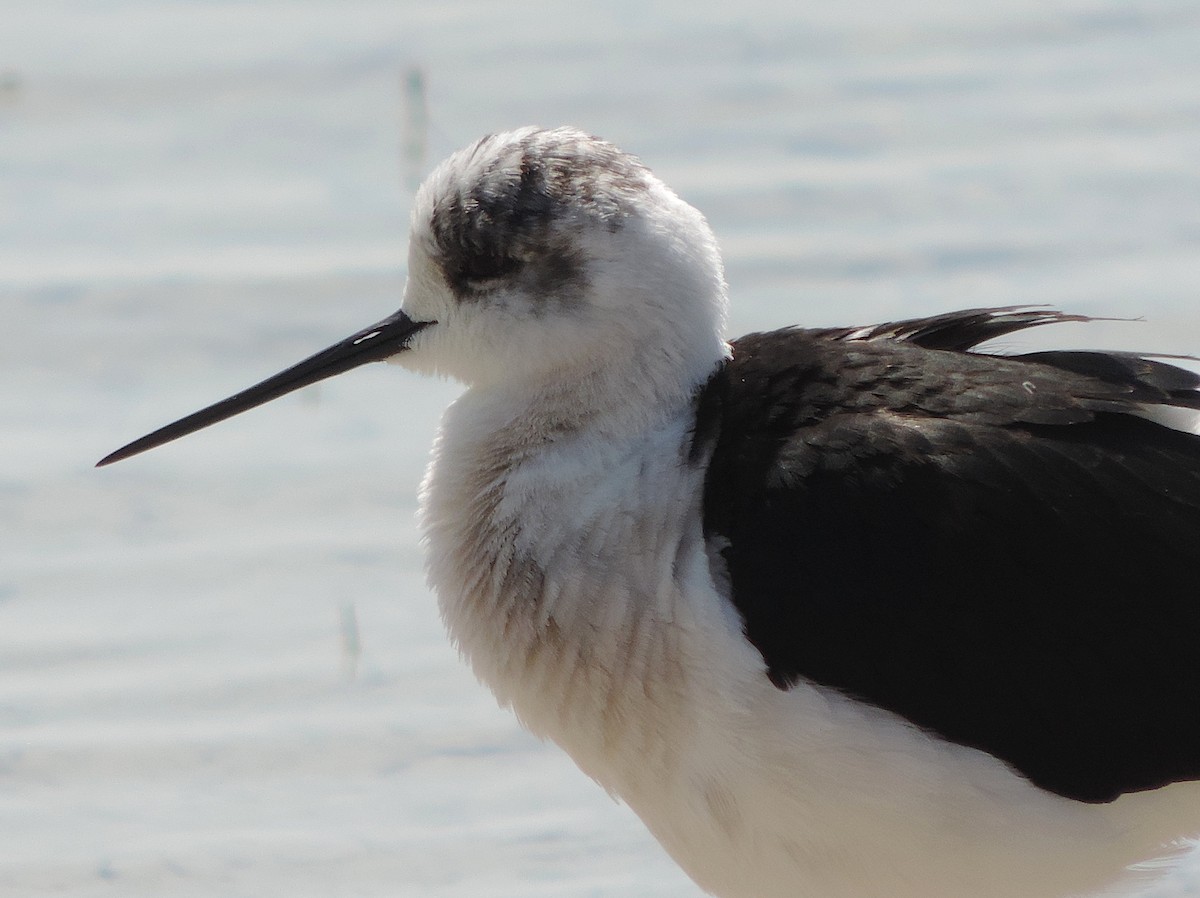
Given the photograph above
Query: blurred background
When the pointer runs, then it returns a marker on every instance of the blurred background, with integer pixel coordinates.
(221, 672)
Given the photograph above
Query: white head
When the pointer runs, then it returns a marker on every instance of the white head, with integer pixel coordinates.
(549, 253)
(537, 257)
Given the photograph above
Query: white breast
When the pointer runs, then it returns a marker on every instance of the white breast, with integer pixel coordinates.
(566, 567)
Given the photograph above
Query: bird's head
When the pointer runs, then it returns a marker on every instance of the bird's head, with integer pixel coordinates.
(548, 253)
(536, 257)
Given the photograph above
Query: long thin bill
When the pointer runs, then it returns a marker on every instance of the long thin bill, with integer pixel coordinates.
(372, 344)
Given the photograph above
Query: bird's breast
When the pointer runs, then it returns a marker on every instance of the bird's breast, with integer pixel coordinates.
(573, 576)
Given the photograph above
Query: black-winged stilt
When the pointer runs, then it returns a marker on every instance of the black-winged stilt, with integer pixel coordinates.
(838, 613)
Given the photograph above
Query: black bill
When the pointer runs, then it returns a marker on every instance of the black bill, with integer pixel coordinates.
(372, 344)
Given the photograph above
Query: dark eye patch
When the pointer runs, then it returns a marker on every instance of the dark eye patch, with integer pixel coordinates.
(520, 217)
(487, 266)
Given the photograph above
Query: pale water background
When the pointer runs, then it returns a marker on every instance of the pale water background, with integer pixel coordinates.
(221, 673)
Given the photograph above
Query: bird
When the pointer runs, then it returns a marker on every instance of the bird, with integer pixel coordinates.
(859, 612)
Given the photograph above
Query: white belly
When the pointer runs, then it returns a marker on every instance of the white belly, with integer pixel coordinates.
(806, 794)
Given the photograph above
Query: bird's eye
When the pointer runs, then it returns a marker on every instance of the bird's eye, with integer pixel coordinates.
(478, 269)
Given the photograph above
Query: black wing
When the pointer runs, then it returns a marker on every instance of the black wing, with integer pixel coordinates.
(1001, 550)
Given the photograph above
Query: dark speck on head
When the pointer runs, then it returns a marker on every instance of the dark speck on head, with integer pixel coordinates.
(518, 219)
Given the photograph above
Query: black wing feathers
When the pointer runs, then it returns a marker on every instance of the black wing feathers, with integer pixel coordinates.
(995, 548)
(955, 331)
